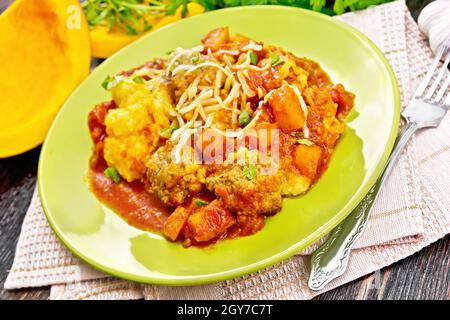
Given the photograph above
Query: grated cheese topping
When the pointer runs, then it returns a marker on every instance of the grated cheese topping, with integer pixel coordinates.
(304, 108)
(215, 81)
(252, 46)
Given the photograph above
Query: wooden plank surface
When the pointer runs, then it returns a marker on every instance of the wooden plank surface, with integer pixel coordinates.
(425, 275)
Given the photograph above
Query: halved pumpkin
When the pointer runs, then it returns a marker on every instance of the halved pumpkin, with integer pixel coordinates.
(45, 53)
(106, 42)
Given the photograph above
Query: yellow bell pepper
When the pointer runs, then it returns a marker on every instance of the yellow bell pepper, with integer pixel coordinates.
(104, 42)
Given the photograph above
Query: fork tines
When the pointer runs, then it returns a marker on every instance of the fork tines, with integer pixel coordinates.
(428, 88)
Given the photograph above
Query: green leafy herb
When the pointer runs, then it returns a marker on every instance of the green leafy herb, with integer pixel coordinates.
(200, 202)
(329, 7)
(173, 5)
(249, 172)
(138, 79)
(147, 26)
(317, 5)
(275, 59)
(113, 174)
(244, 118)
(134, 16)
(167, 132)
(106, 82)
(305, 142)
(195, 60)
(210, 4)
(130, 30)
(253, 58)
(339, 6)
(131, 15)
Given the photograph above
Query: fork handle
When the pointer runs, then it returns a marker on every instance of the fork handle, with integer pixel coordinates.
(330, 260)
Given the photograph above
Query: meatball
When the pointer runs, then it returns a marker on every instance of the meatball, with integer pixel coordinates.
(245, 188)
(173, 182)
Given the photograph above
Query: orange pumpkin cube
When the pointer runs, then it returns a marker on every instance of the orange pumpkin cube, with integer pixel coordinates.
(175, 223)
(286, 109)
(209, 222)
(307, 159)
(215, 38)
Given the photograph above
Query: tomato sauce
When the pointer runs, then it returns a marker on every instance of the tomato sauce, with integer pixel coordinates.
(130, 200)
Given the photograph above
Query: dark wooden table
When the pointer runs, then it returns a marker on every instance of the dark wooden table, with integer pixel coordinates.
(424, 275)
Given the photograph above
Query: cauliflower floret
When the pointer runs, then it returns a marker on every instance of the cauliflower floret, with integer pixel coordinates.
(160, 106)
(127, 154)
(294, 184)
(157, 102)
(123, 122)
(133, 127)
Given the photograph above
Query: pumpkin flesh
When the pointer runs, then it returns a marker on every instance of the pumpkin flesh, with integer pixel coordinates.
(45, 61)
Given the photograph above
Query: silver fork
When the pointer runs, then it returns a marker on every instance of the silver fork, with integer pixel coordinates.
(426, 110)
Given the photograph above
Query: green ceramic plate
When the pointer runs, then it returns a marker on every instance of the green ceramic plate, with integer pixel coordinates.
(103, 240)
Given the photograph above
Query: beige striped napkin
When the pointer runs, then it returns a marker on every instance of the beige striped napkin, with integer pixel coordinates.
(412, 210)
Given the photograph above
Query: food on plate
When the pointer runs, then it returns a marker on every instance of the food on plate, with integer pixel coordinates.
(41, 53)
(205, 143)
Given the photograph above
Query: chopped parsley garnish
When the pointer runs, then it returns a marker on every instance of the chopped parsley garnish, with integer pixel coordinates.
(167, 132)
(305, 142)
(253, 58)
(249, 172)
(195, 60)
(113, 174)
(106, 82)
(139, 79)
(275, 59)
(244, 118)
(200, 202)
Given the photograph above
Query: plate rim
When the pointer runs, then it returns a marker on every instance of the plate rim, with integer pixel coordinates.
(280, 256)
